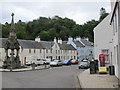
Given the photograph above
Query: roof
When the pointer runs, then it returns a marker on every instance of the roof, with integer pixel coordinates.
(86, 43)
(30, 44)
(46, 44)
(78, 44)
(23, 43)
(38, 45)
(65, 46)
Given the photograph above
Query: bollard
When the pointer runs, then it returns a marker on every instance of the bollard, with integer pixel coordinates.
(33, 66)
(45, 65)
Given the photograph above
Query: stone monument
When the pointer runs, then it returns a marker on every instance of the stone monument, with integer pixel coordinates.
(12, 47)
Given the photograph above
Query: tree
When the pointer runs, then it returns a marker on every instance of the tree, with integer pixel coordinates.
(103, 16)
(48, 28)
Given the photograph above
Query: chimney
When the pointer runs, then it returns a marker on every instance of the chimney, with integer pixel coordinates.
(78, 39)
(70, 39)
(55, 40)
(87, 39)
(60, 41)
(37, 39)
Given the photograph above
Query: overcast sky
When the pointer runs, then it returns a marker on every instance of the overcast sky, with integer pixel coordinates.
(79, 11)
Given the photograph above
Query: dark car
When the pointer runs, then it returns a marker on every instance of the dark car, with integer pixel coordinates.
(67, 62)
(84, 65)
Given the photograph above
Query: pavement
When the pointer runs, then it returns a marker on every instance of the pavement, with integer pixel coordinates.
(88, 80)
(27, 68)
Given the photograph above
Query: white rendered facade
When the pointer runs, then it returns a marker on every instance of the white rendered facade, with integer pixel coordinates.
(103, 40)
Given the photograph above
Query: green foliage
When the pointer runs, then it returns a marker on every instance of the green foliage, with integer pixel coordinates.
(103, 16)
(48, 28)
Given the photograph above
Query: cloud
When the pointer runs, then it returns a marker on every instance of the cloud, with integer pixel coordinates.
(27, 11)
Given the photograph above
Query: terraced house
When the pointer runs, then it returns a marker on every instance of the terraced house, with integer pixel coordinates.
(115, 22)
(83, 46)
(56, 49)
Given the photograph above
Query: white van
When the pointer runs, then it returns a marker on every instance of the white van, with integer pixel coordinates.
(33, 59)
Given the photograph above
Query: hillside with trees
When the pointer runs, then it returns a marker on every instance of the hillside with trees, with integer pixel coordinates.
(48, 28)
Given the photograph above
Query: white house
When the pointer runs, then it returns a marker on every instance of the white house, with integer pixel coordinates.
(57, 49)
(115, 22)
(103, 40)
(84, 47)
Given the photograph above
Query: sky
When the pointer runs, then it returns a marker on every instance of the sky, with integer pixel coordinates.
(80, 11)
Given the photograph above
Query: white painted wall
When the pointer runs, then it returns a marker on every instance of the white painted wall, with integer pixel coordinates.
(116, 36)
(103, 38)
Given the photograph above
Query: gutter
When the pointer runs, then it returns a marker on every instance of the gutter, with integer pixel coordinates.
(116, 3)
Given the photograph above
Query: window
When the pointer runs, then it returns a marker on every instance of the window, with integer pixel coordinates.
(68, 57)
(29, 50)
(106, 53)
(59, 51)
(115, 22)
(117, 54)
(46, 50)
(113, 27)
(56, 51)
(74, 57)
(51, 50)
(40, 50)
(34, 50)
(55, 46)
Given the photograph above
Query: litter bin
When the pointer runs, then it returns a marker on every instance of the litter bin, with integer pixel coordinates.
(111, 70)
(33, 66)
(96, 64)
(92, 67)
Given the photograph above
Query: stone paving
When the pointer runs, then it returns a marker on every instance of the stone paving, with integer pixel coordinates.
(88, 80)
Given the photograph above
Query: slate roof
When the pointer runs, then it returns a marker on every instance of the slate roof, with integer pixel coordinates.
(23, 43)
(46, 44)
(30, 44)
(38, 45)
(87, 43)
(78, 44)
(65, 46)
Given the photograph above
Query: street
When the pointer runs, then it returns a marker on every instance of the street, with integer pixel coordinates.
(55, 77)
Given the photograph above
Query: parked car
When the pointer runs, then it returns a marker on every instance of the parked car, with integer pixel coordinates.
(56, 63)
(48, 61)
(43, 61)
(67, 62)
(74, 61)
(84, 64)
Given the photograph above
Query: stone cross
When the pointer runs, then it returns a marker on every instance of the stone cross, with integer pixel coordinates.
(12, 44)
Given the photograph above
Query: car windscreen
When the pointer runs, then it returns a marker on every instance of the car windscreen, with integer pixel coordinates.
(82, 63)
(56, 60)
